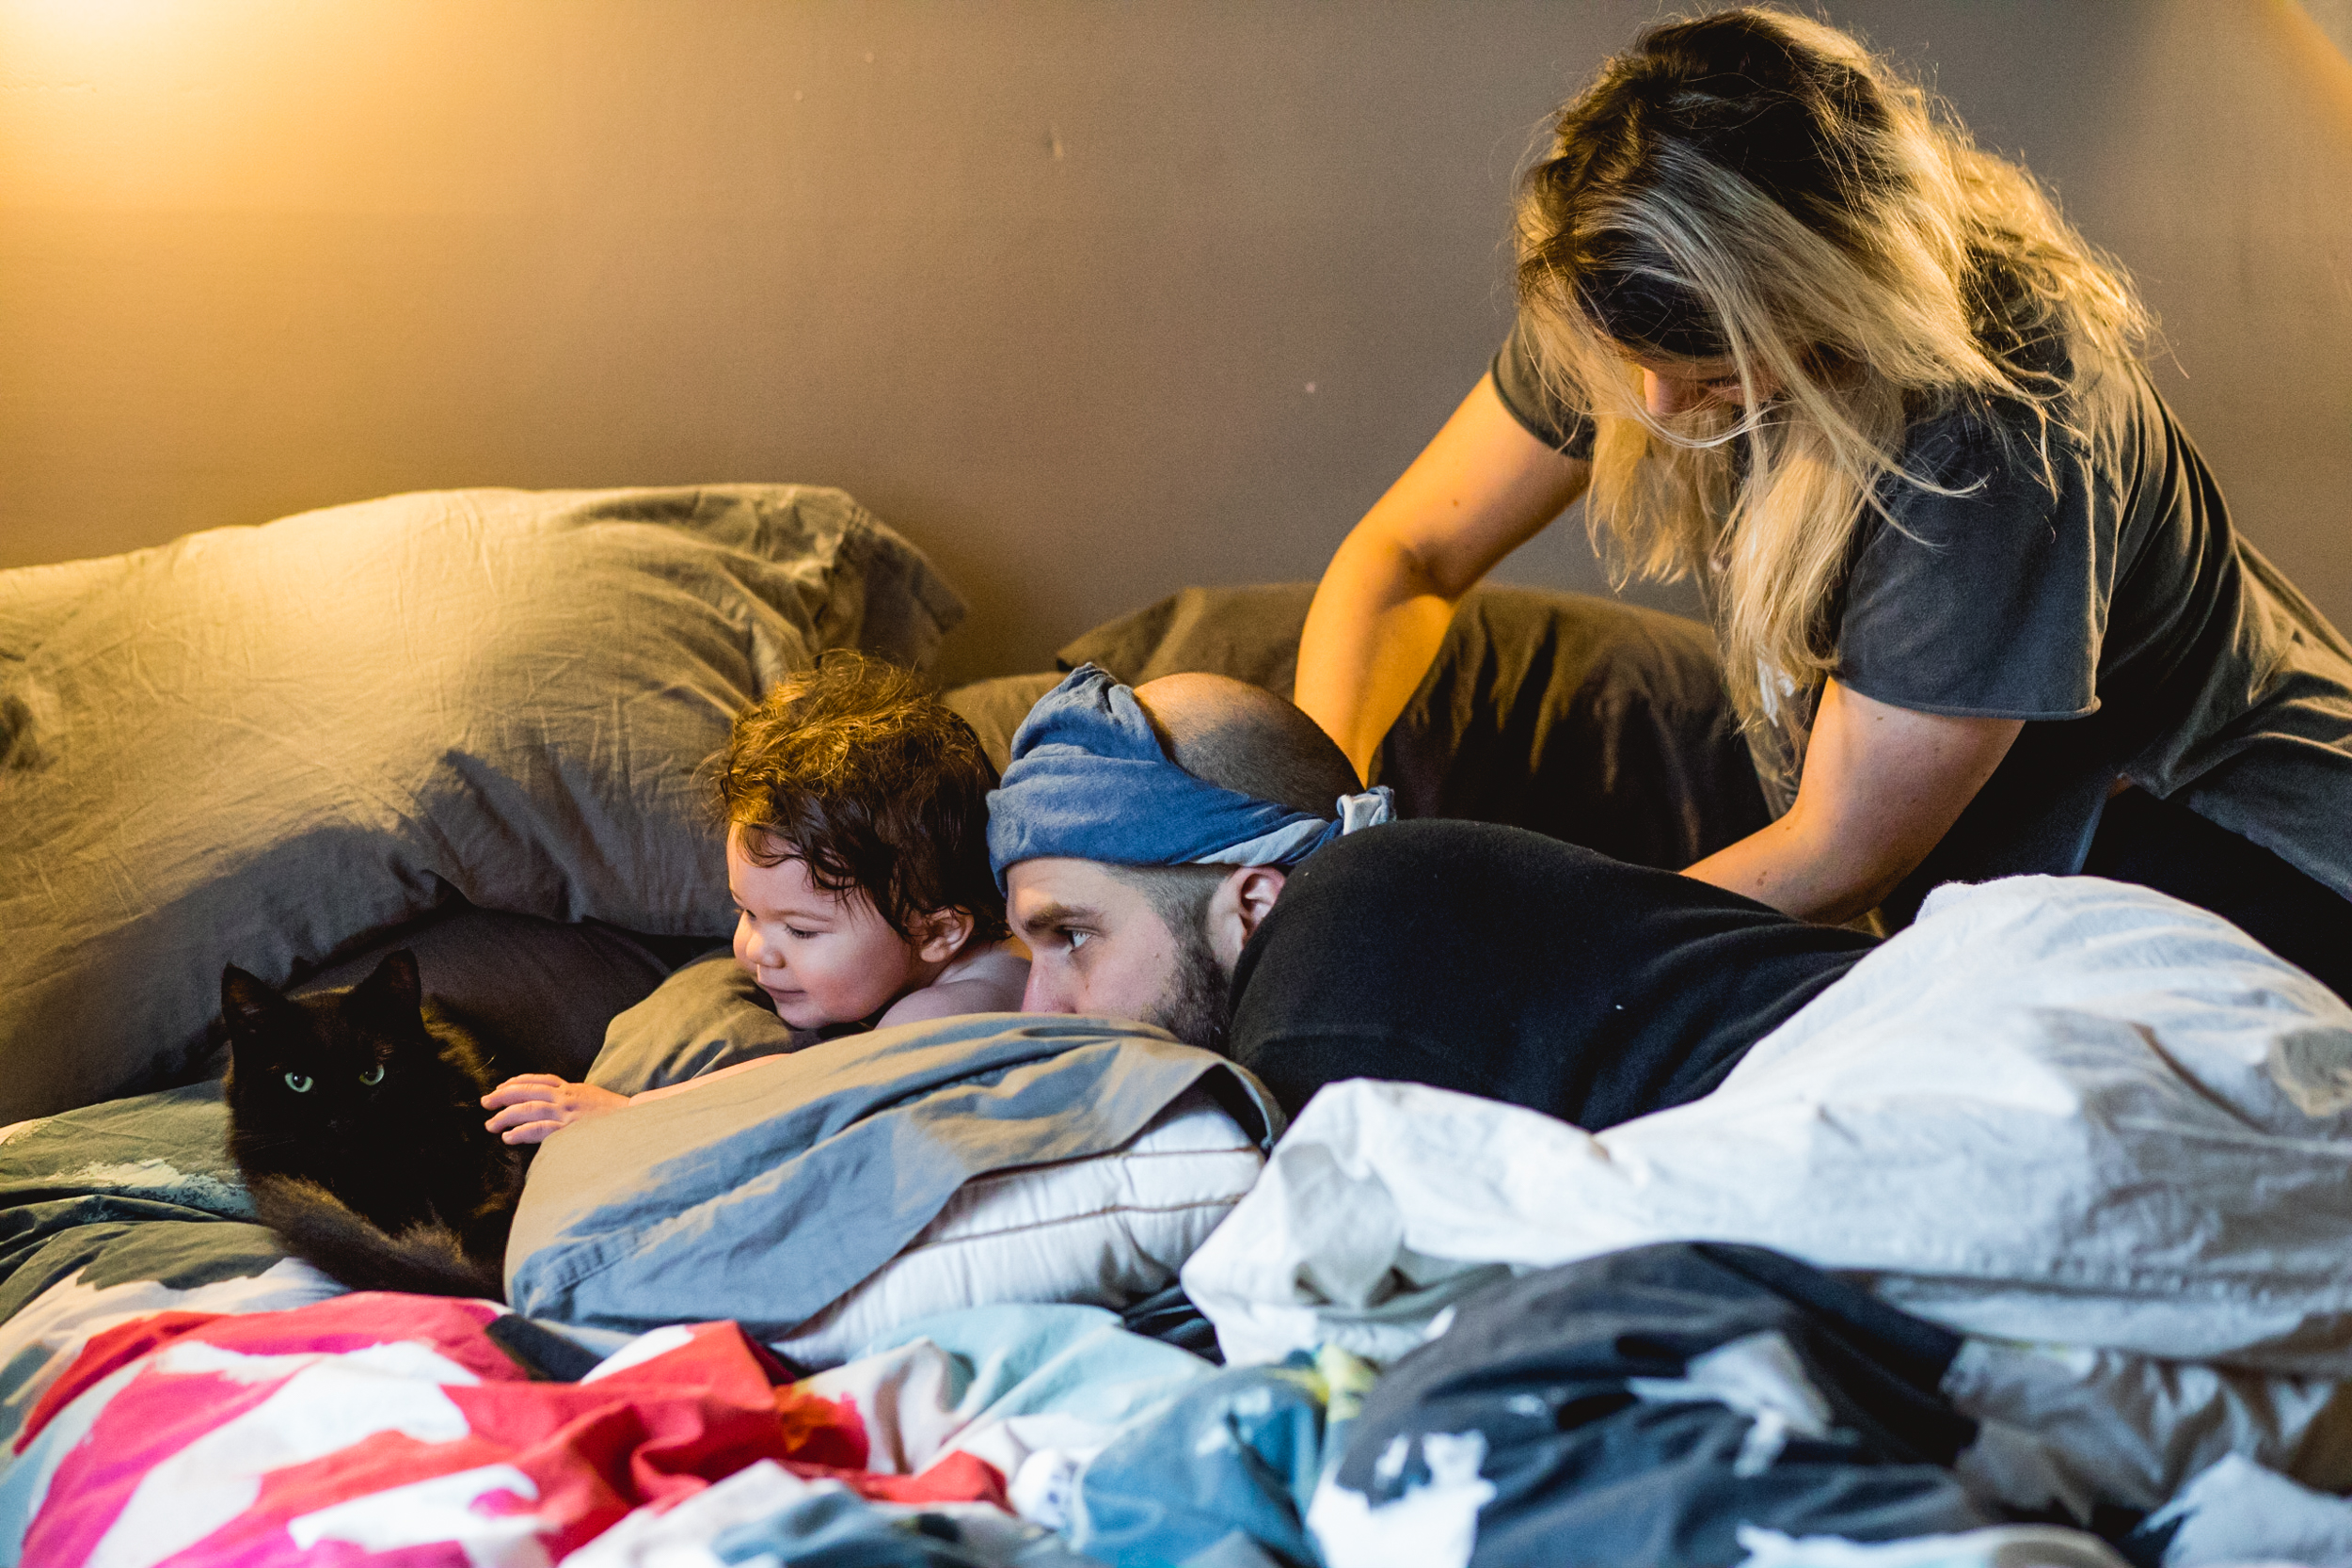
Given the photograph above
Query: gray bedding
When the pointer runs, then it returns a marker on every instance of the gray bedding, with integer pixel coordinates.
(768, 1196)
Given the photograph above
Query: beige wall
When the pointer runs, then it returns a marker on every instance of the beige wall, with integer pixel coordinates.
(1092, 300)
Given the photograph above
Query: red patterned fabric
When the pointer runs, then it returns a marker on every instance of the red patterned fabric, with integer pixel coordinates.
(377, 1428)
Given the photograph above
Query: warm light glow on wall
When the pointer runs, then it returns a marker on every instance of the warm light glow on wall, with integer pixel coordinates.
(2323, 30)
(2335, 19)
(253, 105)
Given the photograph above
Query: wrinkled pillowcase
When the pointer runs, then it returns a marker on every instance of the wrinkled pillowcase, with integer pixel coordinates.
(775, 1196)
(1103, 1231)
(709, 1014)
(261, 745)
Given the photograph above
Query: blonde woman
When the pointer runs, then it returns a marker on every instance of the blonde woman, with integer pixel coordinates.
(1978, 599)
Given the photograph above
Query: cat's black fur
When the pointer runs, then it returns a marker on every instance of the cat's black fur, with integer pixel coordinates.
(387, 1185)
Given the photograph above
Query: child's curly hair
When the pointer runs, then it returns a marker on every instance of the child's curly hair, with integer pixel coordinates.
(855, 768)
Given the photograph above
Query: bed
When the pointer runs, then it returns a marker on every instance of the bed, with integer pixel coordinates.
(964, 1292)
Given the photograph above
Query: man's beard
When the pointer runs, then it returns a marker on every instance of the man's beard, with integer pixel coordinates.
(1194, 1006)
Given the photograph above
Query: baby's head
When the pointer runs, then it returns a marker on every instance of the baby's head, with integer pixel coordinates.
(857, 812)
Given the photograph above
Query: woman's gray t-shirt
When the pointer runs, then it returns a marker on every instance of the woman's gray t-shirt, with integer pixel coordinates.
(2115, 610)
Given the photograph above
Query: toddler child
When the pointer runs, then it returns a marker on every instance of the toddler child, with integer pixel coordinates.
(855, 807)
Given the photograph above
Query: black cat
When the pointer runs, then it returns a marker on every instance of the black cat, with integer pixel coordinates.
(356, 1116)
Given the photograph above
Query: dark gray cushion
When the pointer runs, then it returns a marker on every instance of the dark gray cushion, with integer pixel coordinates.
(261, 745)
(706, 1016)
(1593, 721)
(540, 993)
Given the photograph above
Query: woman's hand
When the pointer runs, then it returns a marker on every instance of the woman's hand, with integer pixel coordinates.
(1482, 488)
(1881, 787)
(532, 1105)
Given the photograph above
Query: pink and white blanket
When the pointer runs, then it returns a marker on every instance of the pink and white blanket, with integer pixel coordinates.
(393, 1429)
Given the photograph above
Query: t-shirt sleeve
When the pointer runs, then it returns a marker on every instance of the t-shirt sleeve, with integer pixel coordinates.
(1535, 404)
(1991, 603)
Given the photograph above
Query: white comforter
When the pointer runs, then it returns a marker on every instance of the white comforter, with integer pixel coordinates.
(2054, 1109)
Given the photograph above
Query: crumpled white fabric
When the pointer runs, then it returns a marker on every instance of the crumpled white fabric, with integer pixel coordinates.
(2064, 1427)
(2053, 1110)
(2005, 1546)
(2240, 1512)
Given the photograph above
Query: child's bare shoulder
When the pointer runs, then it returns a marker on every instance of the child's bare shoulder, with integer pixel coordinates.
(987, 981)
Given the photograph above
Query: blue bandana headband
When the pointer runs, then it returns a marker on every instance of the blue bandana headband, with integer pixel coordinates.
(1090, 781)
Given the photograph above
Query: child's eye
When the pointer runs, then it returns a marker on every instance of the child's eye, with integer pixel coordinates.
(796, 931)
(299, 1083)
(374, 1075)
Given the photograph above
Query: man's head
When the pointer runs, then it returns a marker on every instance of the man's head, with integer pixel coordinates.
(1158, 943)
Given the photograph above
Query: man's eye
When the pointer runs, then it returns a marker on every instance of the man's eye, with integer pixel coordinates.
(1077, 938)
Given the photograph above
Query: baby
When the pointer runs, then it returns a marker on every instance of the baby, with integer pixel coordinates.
(856, 812)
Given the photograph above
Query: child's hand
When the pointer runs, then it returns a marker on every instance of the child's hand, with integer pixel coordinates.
(534, 1105)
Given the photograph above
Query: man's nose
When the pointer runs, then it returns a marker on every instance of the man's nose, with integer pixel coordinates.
(1045, 994)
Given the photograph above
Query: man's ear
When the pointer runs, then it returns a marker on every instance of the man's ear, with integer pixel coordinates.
(941, 934)
(1239, 907)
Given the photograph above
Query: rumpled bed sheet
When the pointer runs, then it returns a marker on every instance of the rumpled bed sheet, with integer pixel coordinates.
(2098, 1132)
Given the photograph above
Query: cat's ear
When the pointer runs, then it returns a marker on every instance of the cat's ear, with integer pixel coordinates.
(247, 1001)
(394, 986)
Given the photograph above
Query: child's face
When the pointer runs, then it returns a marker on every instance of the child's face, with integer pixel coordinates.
(822, 958)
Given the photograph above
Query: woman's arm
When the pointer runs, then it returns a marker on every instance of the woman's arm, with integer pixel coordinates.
(1481, 488)
(1882, 786)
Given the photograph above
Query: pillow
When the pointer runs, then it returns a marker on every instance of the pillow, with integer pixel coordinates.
(539, 992)
(1593, 721)
(995, 709)
(1248, 632)
(770, 1196)
(259, 745)
(1102, 1231)
(706, 1016)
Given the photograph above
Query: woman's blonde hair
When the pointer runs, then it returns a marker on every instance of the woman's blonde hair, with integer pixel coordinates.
(1755, 185)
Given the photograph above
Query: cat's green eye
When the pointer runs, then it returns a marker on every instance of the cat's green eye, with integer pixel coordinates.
(374, 1075)
(298, 1083)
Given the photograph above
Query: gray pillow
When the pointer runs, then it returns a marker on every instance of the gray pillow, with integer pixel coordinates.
(995, 709)
(539, 993)
(706, 1016)
(259, 745)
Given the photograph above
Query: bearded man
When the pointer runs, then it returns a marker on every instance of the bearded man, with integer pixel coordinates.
(1196, 854)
